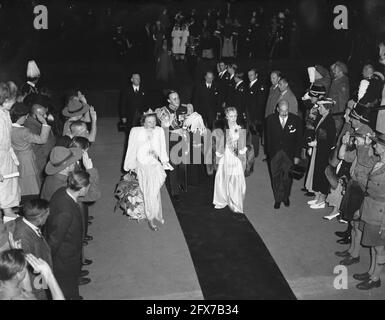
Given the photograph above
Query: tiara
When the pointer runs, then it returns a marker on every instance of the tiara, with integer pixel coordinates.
(149, 111)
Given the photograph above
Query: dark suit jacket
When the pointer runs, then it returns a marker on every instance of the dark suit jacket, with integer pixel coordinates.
(224, 84)
(132, 104)
(206, 101)
(32, 243)
(255, 102)
(64, 230)
(236, 98)
(288, 139)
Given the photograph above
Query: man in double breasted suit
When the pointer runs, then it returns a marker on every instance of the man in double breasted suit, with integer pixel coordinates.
(284, 143)
(133, 102)
(206, 99)
(64, 230)
(236, 96)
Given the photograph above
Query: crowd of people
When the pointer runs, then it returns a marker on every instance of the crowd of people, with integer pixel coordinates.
(334, 134)
(47, 183)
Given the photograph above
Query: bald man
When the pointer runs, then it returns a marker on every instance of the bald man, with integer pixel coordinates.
(284, 143)
(41, 151)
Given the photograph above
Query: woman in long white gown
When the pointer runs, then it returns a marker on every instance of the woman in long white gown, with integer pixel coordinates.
(230, 182)
(147, 156)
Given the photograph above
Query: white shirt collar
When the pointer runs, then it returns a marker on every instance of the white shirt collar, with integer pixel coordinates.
(236, 86)
(222, 73)
(33, 227)
(208, 84)
(31, 84)
(73, 198)
(283, 92)
(231, 76)
(252, 82)
(136, 87)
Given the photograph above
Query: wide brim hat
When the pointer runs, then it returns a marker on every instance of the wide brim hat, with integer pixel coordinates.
(317, 91)
(61, 158)
(361, 113)
(75, 108)
(327, 102)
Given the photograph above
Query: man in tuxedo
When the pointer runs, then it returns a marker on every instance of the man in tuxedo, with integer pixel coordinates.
(236, 96)
(206, 99)
(133, 102)
(255, 98)
(254, 102)
(284, 143)
(64, 230)
(288, 95)
(230, 84)
(223, 78)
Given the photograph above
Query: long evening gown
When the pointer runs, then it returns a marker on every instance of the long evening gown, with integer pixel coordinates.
(230, 182)
(144, 150)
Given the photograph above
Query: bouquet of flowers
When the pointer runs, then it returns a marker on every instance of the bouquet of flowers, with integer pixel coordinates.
(194, 123)
(130, 197)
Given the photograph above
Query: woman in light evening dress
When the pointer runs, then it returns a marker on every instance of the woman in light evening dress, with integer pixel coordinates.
(9, 188)
(147, 156)
(230, 183)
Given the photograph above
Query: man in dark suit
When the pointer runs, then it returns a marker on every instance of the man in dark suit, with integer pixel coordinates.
(223, 78)
(64, 229)
(284, 143)
(236, 97)
(206, 99)
(255, 102)
(27, 230)
(133, 102)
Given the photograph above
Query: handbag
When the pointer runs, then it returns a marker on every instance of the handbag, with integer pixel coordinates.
(297, 171)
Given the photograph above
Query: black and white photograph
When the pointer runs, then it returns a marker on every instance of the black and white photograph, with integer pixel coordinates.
(192, 155)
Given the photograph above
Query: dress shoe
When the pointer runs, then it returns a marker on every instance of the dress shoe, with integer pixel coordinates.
(90, 218)
(342, 221)
(331, 215)
(277, 205)
(88, 238)
(320, 205)
(287, 202)
(342, 254)
(84, 273)
(369, 284)
(347, 240)
(311, 202)
(84, 281)
(87, 262)
(349, 261)
(341, 234)
(303, 189)
(362, 276)
(85, 243)
(309, 194)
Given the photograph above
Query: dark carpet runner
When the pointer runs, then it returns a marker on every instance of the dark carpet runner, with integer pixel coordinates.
(230, 258)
